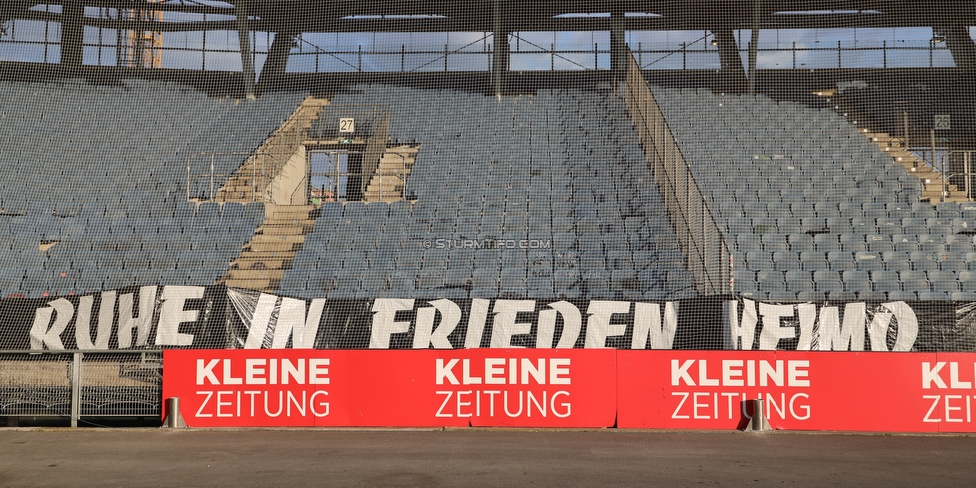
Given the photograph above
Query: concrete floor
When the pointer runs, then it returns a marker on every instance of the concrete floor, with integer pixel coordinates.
(239, 458)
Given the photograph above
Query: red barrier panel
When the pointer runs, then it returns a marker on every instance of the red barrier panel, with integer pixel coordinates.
(538, 387)
(895, 392)
(260, 388)
(882, 392)
(411, 388)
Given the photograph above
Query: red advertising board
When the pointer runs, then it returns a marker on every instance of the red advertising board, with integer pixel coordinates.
(852, 391)
(410, 388)
(881, 392)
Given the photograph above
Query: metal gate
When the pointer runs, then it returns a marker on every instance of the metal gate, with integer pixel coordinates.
(79, 384)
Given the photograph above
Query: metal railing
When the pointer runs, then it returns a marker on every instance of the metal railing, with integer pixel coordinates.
(77, 384)
(375, 148)
(822, 56)
(966, 174)
(687, 55)
(263, 168)
(401, 174)
(702, 240)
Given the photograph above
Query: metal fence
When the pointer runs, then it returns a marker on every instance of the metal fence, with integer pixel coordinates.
(256, 171)
(702, 241)
(79, 384)
(957, 169)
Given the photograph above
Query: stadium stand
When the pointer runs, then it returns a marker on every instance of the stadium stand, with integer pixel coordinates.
(100, 201)
(797, 190)
(800, 191)
(583, 203)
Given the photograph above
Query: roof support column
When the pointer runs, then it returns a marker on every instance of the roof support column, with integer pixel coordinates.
(277, 62)
(961, 46)
(618, 48)
(72, 34)
(244, 35)
(733, 72)
(754, 46)
(500, 55)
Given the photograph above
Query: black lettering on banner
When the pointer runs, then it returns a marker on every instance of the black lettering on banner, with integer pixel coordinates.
(217, 317)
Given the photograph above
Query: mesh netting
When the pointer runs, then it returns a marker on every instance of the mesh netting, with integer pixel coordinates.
(170, 166)
(36, 385)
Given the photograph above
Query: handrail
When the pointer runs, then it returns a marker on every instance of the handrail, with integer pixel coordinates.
(375, 147)
(303, 185)
(212, 175)
(702, 240)
(967, 171)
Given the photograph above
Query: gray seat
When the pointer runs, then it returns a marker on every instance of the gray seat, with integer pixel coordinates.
(759, 260)
(915, 285)
(902, 296)
(827, 242)
(801, 242)
(781, 296)
(774, 242)
(811, 295)
(485, 278)
(963, 296)
(867, 261)
(870, 295)
(923, 261)
(375, 281)
(566, 278)
(377, 211)
(431, 278)
(841, 260)
(623, 280)
(349, 279)
(967, 280)
(748, 242)
(841, 296)
(826, 275)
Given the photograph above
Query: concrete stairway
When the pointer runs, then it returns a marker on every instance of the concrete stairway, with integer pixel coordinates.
(387, 183)
(271, 251)
(253, 177)
(931, 178)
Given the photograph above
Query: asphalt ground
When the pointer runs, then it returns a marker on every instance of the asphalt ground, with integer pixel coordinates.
(475, 457)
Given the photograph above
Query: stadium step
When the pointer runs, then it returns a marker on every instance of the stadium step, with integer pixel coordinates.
(264, 260)
(388, 183)
(284, 229)
(271, 251)
(251, 181)
(251, 284)
(930, 178)
(255, 274)
(284, 212)
(262, 242)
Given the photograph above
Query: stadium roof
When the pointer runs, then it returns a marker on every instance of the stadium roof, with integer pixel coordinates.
(478, 15)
